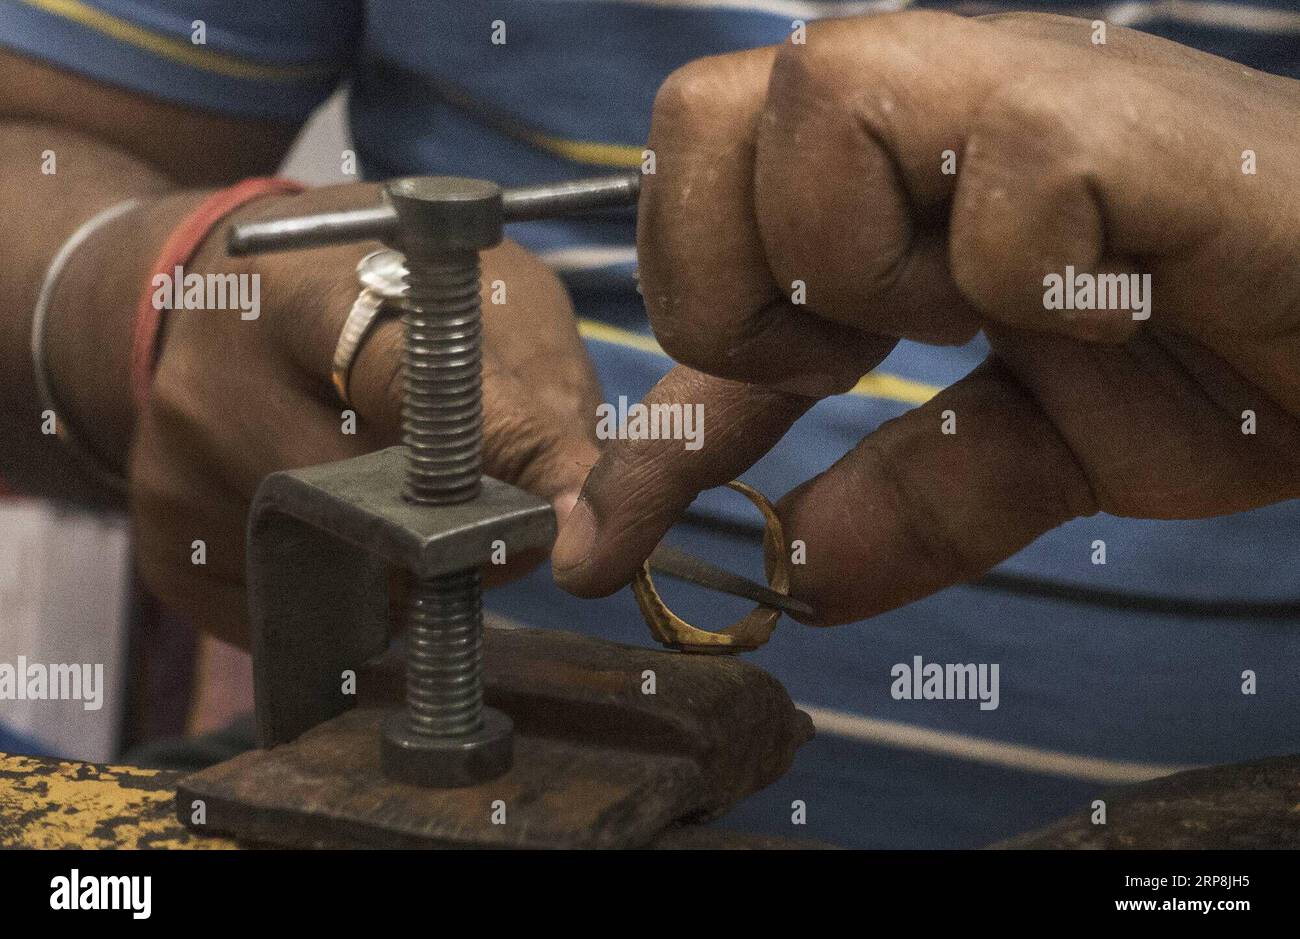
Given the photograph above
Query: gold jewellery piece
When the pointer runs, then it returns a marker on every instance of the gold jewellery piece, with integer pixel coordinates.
(745, 635)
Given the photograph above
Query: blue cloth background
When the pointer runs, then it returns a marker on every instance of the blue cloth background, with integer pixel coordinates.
(430, 93)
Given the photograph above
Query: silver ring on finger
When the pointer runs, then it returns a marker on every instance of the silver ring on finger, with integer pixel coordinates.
(382, 275)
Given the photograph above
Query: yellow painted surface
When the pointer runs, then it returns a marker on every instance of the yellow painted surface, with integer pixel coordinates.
(53, 804)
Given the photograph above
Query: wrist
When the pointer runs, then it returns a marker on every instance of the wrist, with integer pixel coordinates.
(103, 342)
(88, 332)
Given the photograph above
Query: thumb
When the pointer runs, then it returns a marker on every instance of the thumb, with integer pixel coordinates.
(913, 509)
(639, 488)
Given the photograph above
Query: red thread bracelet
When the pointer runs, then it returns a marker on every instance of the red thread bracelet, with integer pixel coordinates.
(180, 246)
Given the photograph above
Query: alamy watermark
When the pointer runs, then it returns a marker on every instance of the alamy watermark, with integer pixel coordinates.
(651, 422)
(79, 891)
(181, 291)
(931, 681)
(36, 681)
(1087, 291)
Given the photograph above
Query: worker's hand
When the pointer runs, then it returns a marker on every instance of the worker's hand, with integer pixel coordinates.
(234, 400)
(921, 176)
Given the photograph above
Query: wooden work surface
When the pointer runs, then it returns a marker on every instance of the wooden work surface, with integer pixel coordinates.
(52, 804)
(600, 762)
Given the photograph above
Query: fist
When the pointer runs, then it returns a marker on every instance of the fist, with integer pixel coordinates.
(928, 177)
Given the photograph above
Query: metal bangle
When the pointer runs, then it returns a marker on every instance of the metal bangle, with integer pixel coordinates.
(89, 461)
(745, 635)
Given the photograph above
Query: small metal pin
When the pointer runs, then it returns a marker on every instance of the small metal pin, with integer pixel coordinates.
(674, 562)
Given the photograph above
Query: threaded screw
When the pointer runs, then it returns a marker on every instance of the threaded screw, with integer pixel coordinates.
(446, 736)
(442, 427)
(442, 410)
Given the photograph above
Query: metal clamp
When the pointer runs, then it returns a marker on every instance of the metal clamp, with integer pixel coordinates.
(318, 537)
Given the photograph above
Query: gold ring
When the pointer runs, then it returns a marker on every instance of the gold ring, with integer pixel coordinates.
(745, 635)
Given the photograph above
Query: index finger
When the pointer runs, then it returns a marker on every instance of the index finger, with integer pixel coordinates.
(712, 300)
(639, 488)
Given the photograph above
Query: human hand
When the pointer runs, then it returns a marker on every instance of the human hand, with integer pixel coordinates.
(824, 163)
(234, 400)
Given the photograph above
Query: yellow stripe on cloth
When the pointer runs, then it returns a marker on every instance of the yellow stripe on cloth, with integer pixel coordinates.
(177, 50)
(621, 156)
(894, 388)
(875, 385)
(612, 335)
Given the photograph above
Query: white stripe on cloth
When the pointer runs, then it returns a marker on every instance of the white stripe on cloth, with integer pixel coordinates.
(971, 749)
(588, 257)
(1210, 13)
(792, 9)
(1201, 13)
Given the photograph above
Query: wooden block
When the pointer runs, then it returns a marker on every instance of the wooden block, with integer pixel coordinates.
(599, 762)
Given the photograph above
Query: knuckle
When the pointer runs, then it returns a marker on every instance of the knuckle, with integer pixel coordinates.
(515, 446)
(1032, 147)
(684, 344)
(1018, 18)
(838, 52)
(687, 95)
(908, 26)
(1036, 105)
(1057, 121)
(810, 74)
(720, 350)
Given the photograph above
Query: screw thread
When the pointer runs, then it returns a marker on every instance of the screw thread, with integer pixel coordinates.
(442, 413)
(444, 658)
(442, 427)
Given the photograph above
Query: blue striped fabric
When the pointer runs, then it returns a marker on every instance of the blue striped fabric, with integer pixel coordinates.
(14, 742)
(569, 92)
(314, 37)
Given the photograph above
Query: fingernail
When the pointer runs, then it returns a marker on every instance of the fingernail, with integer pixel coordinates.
(577, 538)
(563, 505)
